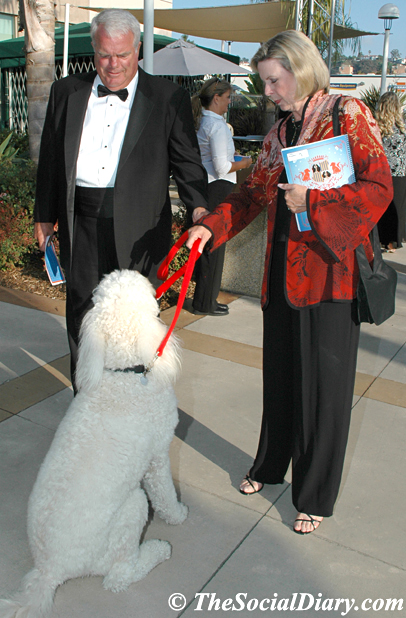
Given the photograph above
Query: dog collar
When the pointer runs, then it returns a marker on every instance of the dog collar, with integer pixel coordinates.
(135, 369)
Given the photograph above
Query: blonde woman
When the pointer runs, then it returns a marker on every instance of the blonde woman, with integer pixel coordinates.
(217, 150)
(388, 115)
(310, 279)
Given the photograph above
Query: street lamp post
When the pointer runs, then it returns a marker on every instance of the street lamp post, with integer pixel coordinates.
(148, 42)
(388, 12)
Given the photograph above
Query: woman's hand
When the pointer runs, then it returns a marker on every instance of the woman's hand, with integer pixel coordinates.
(242, 164)
(246, 162)
(198, 213)
(196, 232)
(295, 196)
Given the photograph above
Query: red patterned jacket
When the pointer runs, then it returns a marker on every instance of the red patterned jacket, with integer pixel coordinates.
(321, 263)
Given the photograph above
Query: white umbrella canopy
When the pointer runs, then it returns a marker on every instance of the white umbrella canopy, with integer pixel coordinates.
(184, 58)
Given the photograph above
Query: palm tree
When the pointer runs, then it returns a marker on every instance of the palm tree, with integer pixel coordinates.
(322, 8)
(37, 19)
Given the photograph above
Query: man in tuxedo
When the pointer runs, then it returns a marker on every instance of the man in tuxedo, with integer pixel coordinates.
(110, 141)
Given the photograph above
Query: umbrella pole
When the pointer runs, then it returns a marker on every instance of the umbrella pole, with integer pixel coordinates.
(66, 42)
(148, 42)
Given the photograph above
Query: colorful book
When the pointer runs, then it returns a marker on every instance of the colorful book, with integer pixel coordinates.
(52, 264)
(319, 165)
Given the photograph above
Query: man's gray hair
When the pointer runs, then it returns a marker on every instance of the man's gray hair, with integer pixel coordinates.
(116, 22)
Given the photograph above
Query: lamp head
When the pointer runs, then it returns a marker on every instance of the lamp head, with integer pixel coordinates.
(389, 11)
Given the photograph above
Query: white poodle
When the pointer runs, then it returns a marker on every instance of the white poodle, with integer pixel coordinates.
(87, 509)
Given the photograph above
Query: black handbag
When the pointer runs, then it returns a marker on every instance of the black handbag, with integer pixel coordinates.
(377, 284)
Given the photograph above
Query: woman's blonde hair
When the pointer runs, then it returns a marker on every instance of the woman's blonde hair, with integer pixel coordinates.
(205, 96)
(298, 55)
(389, 114)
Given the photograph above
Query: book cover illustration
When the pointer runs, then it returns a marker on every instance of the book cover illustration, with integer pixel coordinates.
(52, 265)
(326, 164)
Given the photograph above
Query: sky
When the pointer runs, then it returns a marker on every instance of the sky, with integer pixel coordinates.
(362, 12)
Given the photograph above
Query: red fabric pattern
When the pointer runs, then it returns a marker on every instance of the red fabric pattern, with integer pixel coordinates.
(321, 263)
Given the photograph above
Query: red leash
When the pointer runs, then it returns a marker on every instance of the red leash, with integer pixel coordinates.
(187, 270)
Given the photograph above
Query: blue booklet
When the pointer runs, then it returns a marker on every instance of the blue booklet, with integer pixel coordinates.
(319, 165)
(52, 265)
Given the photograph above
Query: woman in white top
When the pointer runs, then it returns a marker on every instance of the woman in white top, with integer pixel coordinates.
(217, 150)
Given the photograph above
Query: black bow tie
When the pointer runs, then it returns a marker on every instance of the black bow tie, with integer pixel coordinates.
(103, 91)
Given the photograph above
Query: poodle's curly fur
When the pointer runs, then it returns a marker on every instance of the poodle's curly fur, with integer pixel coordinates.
(87, 509)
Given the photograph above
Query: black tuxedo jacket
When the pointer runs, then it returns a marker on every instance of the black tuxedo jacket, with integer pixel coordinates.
(160, 139)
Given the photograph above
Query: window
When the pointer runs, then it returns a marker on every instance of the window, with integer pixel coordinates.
(6, 26)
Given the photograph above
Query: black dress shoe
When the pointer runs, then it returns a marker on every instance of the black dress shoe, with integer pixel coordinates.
(219, 310)
(225, 307)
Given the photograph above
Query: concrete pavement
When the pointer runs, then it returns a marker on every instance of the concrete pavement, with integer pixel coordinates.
(230, 544)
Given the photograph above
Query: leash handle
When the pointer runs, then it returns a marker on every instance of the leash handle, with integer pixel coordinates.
(164, 267)
(187, 270)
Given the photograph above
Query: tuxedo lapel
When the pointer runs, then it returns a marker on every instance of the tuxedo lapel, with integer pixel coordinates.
(140, 111)
(75, 116)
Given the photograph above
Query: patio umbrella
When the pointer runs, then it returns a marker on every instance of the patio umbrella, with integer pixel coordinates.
(184, 58)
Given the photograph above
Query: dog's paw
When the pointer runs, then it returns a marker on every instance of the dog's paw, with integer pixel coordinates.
(176, 515)
(155, 550)
(118, 578)
(122, 574)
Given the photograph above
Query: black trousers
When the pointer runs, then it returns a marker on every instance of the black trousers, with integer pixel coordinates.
(94, 255)
(209, 267)
(391, 226)
(309, 362)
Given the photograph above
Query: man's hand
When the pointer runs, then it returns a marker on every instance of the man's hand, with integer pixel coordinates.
(198, 213)
(41, 231)
(199, 231)
(295, 196)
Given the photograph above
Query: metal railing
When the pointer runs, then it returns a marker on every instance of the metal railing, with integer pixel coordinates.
(14, 108)
(14, 103)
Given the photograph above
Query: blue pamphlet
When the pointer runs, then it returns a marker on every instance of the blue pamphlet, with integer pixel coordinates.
(319, 165)
(52, 265)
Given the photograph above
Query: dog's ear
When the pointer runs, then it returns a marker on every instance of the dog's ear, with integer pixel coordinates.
(89, 368)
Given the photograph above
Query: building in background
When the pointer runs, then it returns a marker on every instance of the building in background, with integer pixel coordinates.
(9, 14)
(356, 85)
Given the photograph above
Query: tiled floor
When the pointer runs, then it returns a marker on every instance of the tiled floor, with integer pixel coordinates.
(229, 544)
(197, 335)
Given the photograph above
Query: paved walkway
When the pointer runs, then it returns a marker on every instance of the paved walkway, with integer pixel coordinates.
(230, 543)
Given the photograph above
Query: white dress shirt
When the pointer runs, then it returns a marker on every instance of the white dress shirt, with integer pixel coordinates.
(103, 136)
(216, 147)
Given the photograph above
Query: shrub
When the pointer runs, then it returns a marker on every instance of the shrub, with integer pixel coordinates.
(17, 194)
(18, 144)
(180, 223)
(18, 181)
(16, 233)
(372, 95)
(247, 121)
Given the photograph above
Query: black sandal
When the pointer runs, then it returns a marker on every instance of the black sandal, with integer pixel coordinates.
(310, 520)
(251, 493)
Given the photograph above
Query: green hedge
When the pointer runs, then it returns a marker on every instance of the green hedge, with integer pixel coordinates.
(17, 194)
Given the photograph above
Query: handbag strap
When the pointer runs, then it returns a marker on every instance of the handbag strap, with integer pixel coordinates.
(373, 235)
(362, 259)
(336, 121)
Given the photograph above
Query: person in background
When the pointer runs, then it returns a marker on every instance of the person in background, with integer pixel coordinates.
(310, 280)
(391, 226)
(110, 141)
(217, 150)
